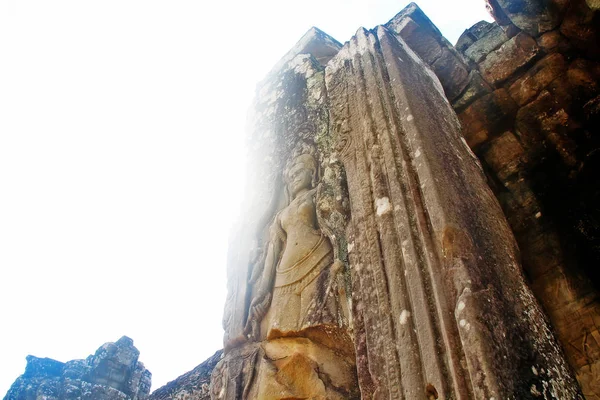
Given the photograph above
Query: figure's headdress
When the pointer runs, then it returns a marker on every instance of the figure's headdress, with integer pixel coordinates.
(302, 153)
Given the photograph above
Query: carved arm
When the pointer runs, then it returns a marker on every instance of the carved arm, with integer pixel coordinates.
(261, 300)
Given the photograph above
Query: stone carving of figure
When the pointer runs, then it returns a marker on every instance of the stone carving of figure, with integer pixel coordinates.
(294, 294)
(297, 320)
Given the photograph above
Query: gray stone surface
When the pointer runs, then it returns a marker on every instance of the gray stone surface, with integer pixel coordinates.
(441, 308)
(472, 34)
(424, 38)
(493, 39)
(193, 385)
(112, 373)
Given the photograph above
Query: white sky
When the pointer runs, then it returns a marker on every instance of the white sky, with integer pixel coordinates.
(121, 163)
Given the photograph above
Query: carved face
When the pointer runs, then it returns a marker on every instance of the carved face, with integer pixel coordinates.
(300, 174)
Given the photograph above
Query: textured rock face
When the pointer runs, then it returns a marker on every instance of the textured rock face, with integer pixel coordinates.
(423, 37)
(454, 316)
(287, 322)
(533, 128)
(112, 373)
(371, 254)
(193, 385)
(372, 260)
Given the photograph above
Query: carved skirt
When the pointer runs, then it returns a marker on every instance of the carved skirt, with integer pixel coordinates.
(305, 295)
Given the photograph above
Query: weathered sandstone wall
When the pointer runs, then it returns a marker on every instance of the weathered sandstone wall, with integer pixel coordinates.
(526, 89)
(359, 145)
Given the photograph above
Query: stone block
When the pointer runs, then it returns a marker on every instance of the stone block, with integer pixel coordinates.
(575, 324)
(580, 84)
(476, 88)
(544, 128)
(513, 55)
(480, 29)
(43, 367)
(589, 379)
(487, 116)
(421, 40)
(510, 30)
(504, 155)
(582, 26)
(537, 78)
(452, 73)
(554, 292)
(472, 34)
(417, 15)
(531, 16)
(540, 247)
(464, 41)
(367, 80)
(553, 41)
(493, 39)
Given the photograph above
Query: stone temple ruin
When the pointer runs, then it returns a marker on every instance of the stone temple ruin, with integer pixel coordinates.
(423, 218)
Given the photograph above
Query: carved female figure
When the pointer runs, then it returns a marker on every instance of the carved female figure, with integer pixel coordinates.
(294, 293)
(300, 346)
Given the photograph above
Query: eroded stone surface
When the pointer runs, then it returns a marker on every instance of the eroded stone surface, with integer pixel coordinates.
(537, 78)
(531, 16)
(580, 25)
(476, 88)
(538, 160)
(404, 173)
(288, 275)
(423, 37)
(401, 151)
(193, 385)
(487, 116)
(484, 45)
(112, 373)
(514, 54)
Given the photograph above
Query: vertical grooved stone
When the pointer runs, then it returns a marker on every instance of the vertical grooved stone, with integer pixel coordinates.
(439, 262)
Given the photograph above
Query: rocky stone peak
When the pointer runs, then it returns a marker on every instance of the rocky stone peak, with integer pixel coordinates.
(112, 373)
(314, 42)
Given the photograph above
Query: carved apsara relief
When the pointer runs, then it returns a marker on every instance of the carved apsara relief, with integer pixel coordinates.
(297, 307)
(296, 288)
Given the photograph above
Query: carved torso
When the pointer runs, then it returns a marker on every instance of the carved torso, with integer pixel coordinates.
(298, 220)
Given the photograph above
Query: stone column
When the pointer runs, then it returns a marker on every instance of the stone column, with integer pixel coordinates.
(440, 307)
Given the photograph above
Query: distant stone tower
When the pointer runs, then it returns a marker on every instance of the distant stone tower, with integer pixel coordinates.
(372, 260)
